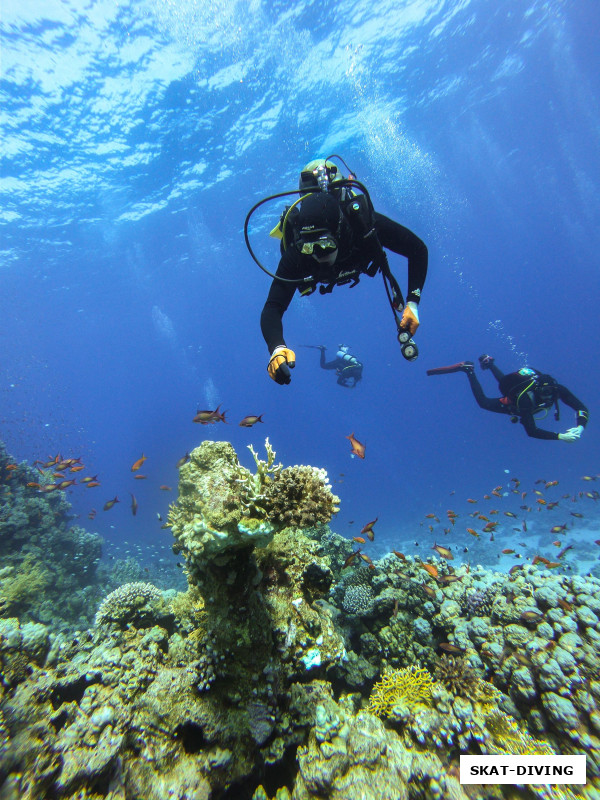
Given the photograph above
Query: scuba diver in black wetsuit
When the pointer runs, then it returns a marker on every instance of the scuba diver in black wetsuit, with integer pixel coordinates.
(524, 394)
(331, 235)
(348, 368)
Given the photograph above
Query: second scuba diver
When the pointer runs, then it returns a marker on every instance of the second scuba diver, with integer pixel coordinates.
(524, 394)
(348, 368)
(331, 236)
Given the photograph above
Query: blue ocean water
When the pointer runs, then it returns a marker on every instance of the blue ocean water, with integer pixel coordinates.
(135, 139)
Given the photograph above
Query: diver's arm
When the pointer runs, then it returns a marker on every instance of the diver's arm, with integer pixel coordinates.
(531, 429)
(401, 240)
(271, 320)
(569, 399)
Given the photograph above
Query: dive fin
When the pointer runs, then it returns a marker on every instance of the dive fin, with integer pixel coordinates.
(458, 367)
(277, 233)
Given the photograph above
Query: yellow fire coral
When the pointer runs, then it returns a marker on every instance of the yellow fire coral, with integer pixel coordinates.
(410, 685)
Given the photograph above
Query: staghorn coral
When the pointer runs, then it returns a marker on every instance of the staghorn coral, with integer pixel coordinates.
(411, 685)
(129, 603)
(457, 675)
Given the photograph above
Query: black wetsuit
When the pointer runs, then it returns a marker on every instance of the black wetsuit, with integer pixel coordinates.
(349, 369)
(353, 254)
(529, 405)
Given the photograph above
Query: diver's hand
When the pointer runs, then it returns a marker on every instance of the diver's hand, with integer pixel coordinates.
(281, 361)
(410, 317)
(571, 435)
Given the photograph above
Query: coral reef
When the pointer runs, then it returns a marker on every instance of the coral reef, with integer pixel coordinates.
(285, 669)
(49, 566)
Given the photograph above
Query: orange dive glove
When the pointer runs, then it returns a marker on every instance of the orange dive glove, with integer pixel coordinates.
(410, 317)
(282, 360)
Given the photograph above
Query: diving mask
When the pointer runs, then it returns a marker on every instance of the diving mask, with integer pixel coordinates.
(324, 244)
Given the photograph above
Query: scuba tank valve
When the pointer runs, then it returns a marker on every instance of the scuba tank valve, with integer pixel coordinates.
(322, 177)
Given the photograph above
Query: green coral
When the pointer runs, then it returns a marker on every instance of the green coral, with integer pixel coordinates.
(22, 587)
(410, 685)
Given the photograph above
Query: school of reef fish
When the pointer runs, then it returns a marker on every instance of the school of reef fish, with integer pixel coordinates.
(293, 664)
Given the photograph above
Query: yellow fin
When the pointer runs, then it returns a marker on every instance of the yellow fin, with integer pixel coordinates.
(277, 233)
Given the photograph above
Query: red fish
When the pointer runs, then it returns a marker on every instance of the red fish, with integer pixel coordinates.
(250, 420)
(210, 417)
(358, 449)
(443, 551)
(368, 529)
(165, 488)
(137, 464)
(110, 503)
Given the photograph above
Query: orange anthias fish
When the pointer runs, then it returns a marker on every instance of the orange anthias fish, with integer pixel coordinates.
(250, 420)
(368, 529)
(164, 487)
(110, 503)
(399, 555)
(443, 551)
(431, 569)
(473, 532)
(137, 464)
(358, 449)
(210, 417)
(359, 539)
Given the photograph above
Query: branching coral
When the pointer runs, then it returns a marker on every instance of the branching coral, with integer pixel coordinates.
(457, 675)
(410, 685)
